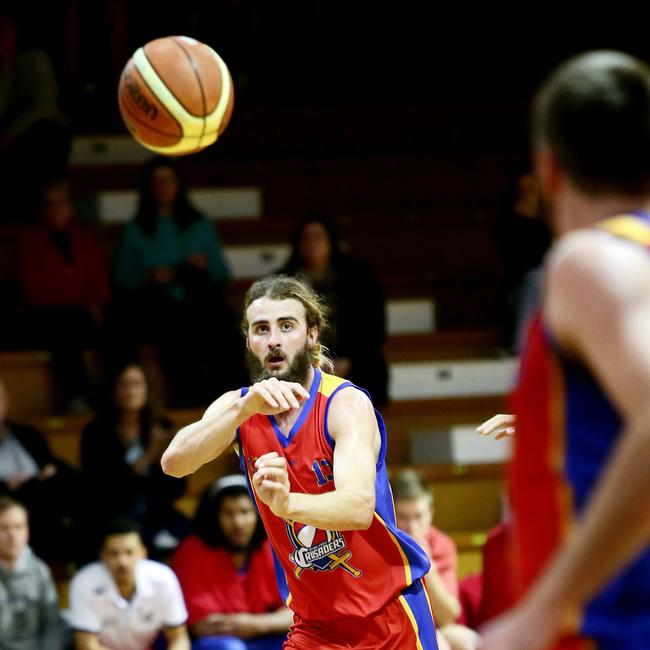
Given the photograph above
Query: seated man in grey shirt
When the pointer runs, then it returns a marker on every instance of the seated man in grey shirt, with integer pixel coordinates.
(29, 611)
(48, 487)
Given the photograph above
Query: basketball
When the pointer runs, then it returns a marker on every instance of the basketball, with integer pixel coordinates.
(175, 95)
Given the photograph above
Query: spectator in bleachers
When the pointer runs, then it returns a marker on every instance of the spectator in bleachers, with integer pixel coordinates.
(29, 610)
(350, 289)
(124, 601)
(34, 135)
(226, 571)
(414, 510)
(171, 274)
(523, 237)
(65, 286)
(120, 461)
(30, 473)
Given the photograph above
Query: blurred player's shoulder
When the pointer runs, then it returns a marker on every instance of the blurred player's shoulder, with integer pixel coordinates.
(590, 255)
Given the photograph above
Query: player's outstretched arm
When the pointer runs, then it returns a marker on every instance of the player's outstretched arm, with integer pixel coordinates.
(598, 308)
(200, 442)
(351, 505)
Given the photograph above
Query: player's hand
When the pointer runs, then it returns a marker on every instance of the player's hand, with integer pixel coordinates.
(272, 396)
(271, 482)
(460, 637)
(500, 425)
(526, 627)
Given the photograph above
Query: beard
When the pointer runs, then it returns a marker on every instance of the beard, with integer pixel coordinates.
(298, 370)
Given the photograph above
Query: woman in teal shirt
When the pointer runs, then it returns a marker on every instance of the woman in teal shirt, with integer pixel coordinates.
(170, 275)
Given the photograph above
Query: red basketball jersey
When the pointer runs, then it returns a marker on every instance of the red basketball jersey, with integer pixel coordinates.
(329, 574)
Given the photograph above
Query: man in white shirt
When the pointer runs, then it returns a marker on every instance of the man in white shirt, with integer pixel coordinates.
(125, 601)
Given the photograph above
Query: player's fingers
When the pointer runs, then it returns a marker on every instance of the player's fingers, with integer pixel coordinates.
(272, 485)
(272, 472)
(279, 464)
(505, 432)
(267, 397)
(488, 425)
(299, 390)
(289, 395)
(496, 421)
(266, 457)
(278, 393)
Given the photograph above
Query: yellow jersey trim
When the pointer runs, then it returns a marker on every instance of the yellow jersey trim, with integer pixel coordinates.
(628, 227)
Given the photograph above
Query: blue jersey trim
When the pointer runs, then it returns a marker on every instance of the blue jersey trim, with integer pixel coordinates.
(242, 467)
(281, 578)
(379, 418)
(242, 460)
(328, 437)
(416, 599)
(285, 441)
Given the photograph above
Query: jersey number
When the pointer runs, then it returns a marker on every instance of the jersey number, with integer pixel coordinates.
(323, 470)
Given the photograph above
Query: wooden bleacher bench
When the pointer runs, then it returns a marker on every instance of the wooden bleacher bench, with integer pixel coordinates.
(28, 378)
(460, 344)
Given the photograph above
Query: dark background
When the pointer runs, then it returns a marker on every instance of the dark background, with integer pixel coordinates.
(413, 77)
(401, 121)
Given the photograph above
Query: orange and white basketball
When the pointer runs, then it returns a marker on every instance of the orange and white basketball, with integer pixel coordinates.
(176, 95)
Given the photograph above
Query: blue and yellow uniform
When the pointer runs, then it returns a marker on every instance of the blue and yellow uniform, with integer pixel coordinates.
(567, 429)
(360, 588)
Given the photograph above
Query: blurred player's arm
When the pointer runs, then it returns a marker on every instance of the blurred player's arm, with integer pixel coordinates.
(598, 308)
(200, 442)
(351, 505)
(457, 637)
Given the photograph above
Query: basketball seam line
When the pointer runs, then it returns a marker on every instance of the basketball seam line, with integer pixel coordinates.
(190, 58)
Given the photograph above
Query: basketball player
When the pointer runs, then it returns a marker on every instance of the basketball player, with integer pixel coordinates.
(580, 484)
(313, 450)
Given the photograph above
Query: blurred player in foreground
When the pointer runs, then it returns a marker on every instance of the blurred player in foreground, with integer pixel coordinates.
(579, 479)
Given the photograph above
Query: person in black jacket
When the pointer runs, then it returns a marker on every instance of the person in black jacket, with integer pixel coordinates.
(48, 487)
(355, 300)
(120, 462)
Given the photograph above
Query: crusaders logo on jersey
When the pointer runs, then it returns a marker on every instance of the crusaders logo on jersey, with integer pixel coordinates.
(319, 550)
